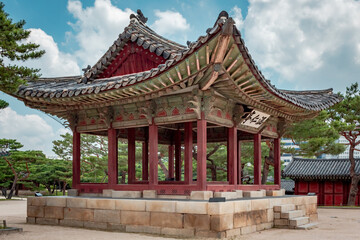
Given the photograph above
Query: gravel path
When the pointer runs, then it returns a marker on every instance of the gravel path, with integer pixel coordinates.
(339, 224)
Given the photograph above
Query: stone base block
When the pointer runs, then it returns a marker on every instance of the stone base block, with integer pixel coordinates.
(107, 193)
(172, 197)
(201, 195)
(35, 211)
(284, 208)
(47, 221)
(275, 193)
(143, 229)
(72, 192)
(232, 232)
(126, 194)
(254, 194)
(149, 194)
(30, 220)
(226, 195)
(222, 222)
(209, 234)
(71, 223)
(239, 193)
(197, 221)
(116, 227)
(95, 225)
(248, 229)
(178, 232)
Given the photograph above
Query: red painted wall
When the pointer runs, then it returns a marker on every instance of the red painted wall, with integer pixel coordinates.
(132, 59)
(330, 193)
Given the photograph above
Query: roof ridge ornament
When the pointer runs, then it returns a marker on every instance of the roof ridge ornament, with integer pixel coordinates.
(140, 16)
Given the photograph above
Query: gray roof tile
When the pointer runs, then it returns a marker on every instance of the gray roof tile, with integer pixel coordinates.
(320, 169)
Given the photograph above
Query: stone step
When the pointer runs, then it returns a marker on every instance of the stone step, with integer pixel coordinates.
(292, 214)
(284, 208)
(296, 222)
(308, 226)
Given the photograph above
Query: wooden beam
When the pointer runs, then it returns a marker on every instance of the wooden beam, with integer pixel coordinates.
(257, 158)
(112, 157)
(188, 144)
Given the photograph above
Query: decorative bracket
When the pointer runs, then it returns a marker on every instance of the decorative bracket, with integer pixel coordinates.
(148, 111)
(72, 120)
(238, 113)
(196, 102)
(107, 115)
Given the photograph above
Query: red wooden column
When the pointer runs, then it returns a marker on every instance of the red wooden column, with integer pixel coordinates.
(232, 155)
(131, 155)
(277, 162)
(112, 157)
(188, 144)
(76, 159)
(145, 160)
(239, 168)
(178, 155)
(153, 154)
(171, 161)
(201, 153)
(257, 158)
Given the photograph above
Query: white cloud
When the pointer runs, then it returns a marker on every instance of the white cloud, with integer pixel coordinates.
(237, 16)
(96, 28)
(53, 63)
(170, 24)
(313, 44)
(31, 130)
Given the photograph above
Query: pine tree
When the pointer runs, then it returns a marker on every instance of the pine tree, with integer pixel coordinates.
(13, 48)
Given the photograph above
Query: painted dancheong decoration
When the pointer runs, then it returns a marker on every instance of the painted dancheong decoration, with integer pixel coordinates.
(150, 89)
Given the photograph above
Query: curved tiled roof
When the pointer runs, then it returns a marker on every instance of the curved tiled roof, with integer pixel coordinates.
(320, 169)
(135, 32)
(174, 53)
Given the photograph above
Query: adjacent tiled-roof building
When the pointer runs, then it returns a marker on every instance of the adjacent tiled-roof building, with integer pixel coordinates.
(328, 178)
(319, 169)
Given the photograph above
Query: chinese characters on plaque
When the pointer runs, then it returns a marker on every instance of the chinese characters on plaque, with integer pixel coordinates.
(255, 119)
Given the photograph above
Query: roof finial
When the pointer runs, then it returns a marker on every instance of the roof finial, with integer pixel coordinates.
(86, 69)
(223, 14)
(141, 16)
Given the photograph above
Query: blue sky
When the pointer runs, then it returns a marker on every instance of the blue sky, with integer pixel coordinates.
(296, 44)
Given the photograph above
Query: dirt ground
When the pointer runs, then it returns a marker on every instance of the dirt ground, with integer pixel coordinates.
(333, 224)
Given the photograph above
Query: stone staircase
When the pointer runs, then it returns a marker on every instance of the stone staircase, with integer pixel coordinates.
(286, 216)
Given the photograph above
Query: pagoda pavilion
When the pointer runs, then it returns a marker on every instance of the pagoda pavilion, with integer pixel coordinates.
(150, 89)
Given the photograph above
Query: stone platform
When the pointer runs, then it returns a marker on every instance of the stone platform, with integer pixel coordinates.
(177, 217)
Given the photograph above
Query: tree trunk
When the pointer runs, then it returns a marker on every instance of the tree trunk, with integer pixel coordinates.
(163, 167)
(4, 191)
(265, 173)
(17, 190)
(48, 187)
(354, 177)
(64, 187)
(13, 187)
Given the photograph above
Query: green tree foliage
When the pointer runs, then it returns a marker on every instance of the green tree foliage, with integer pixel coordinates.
(18, 162)
(315, 137)
(52, 173)
(13, 48)
(345, 118)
